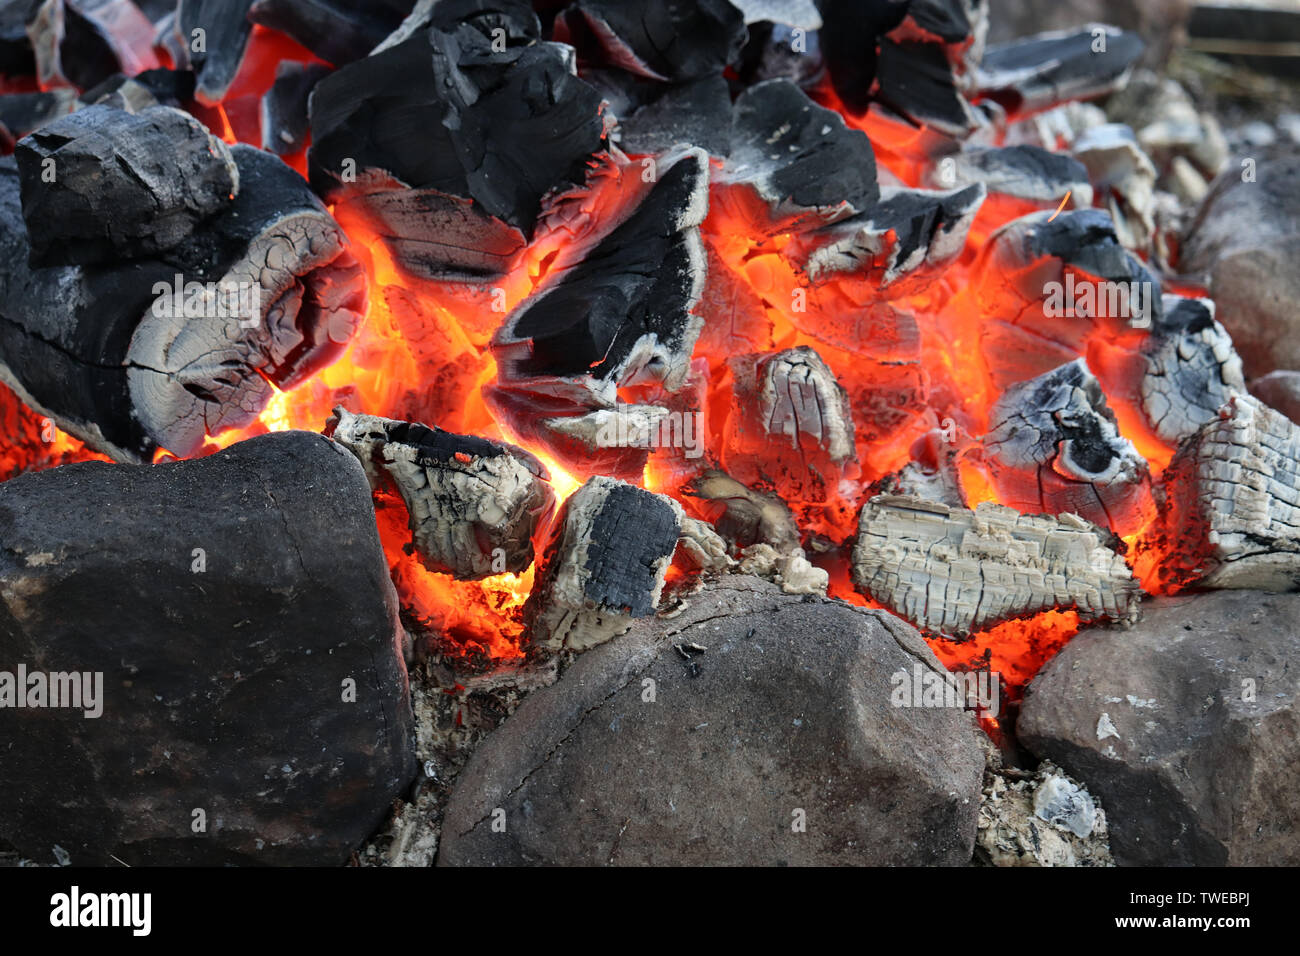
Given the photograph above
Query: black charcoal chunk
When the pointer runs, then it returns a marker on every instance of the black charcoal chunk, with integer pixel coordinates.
(337, 31)
(682, 40)
(218, 50)
(284, 106)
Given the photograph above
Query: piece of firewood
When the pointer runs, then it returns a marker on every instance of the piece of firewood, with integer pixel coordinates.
(269, 294)
(217, 50)
(669, 42)
(284, 106)
(474, 505)
(952, 572)
(1230, 517)
(337, 31)
(790, 426)
(1053, 447)
(101, 184)
(604, 566)
(744, 516)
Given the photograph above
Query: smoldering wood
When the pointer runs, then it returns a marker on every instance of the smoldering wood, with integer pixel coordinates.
(1053, 447)
(474, 505)
(932, 474)
(667, 42)
(622, 313)
(801, 161)
(226, 29)
(284, 106)
(745, 516)
(1230, 515)
(900, 244)
(20, 113)
(1023, 171)
(1040, 71)
(127, 370)
(953, 572)
(123, 184)
(791, 425)
(850, 37)
(604, 566)
(446, 113)
(337, 31)
(1125, 177)
(696, 112)
(779, 51)
(918, 80)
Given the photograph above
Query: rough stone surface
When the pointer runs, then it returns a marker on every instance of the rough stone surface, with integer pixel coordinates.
(1185, 726)
(223, 689)
(786, 708)
(1279, 390)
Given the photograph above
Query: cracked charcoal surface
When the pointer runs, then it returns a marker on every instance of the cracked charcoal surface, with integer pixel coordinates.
(213, 681)
(589, 773)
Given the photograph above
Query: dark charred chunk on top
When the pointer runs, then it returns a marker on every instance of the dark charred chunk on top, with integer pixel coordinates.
(445, 111)
(225, 30)
(849, 38)
(338, 31)
(670, 41)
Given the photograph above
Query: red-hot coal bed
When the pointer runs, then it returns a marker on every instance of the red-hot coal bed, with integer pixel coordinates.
(765, 344)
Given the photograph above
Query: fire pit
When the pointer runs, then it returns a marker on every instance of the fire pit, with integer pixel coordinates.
(620, 432)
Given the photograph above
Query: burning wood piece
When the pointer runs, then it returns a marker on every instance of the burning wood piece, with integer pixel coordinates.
(607, 441)
(900, 244)
(1182, 373)
(622, 313)
(799, 159)
(335, 30)
(164, 351)
(1037, 72)
(952, 572)
(1053, 447)
(1024, 172)
(850, 36)
(1126, 179)
(932, 473)
(284, 106)
(103, 184)
(1231, 511)
(791, 425)
(447, 113)
(604, 566)
(704, 547)
(744, 516)
(1048, 285)
(918, 80)
(669, 42)
(81, 42)
(474, 505)
(217, 50)
(697, 112)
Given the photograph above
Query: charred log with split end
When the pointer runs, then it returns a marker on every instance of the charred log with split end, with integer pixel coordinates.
(1053, 447)
(791, 425)
(474, 505)
(604, 567)
(1230, 517)
(164, 351)
(952, 572)
(102, 184)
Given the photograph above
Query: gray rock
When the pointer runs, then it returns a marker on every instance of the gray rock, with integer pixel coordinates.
(1279, 390)
(223, 689)
(1186, 727)
(785, 716)
(1244, 243)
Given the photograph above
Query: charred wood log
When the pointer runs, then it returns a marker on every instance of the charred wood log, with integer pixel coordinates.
(474, 505)
(791, 425)
(20, 113)
(217, 49)
(284, 106)
(335, 30)
(1053, 447)
(1038, 72)
(919, 81)
(952, 572)
(670, 42)
(1230, 517)
(82, 42)
(164, 351)
(604, 566)
(102, 184)
(1023, 172)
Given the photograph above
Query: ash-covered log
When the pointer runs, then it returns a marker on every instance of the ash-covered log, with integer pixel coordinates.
(1230, 515)
(796, 163)
(337, 31)
(791, 425)
(620, 313)
(604, 566)
(1037, 72)
(164, 351)
(102, 184)
(1023, 172)
(670, 42)
(1053, 447)
(284, 106)
(952, 572)
(474, 505)
(1125, 179)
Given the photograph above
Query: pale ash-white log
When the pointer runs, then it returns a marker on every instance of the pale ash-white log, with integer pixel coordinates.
(952, 571)
(473, 504)
(1231, 517)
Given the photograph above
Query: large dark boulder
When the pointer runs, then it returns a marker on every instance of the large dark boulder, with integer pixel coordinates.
(646, 754)
(1186, 727)
(230, 604)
